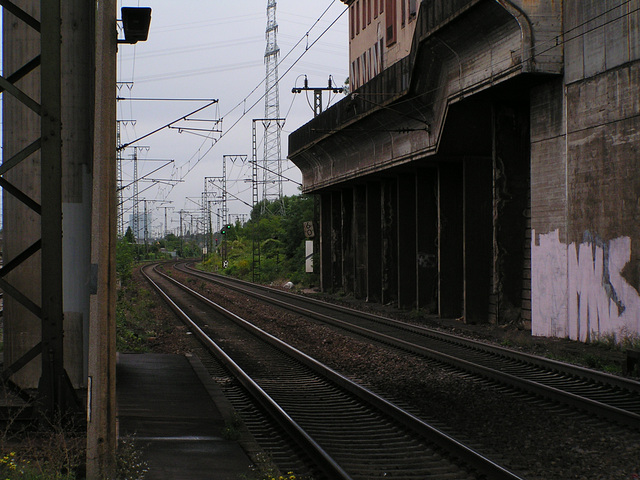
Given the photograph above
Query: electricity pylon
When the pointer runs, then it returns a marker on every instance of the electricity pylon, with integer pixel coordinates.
(272, 161)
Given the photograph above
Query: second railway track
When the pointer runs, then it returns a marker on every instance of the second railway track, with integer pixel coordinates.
(600, 394)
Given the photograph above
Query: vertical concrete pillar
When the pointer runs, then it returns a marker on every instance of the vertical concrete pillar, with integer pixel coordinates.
(101, 415)
(348, 244)
(407, 242)
(478, 238)
(450, 240)
(427, 239)
(21, 225)
(336, 241)
(360, 240)
(77, 144)
(390, 241)
(325, 242)
(512, 184)
(374, 242)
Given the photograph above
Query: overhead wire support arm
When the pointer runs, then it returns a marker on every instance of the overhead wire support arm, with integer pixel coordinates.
(123, 146)
(317, 93)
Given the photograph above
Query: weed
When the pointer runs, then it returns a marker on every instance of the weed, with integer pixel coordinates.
(265, 469)
(52, 451)
(133, 317)
(231, 430)
(622, 340)
(129, 462)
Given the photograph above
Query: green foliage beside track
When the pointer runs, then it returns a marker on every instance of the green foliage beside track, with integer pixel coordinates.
(278, 236)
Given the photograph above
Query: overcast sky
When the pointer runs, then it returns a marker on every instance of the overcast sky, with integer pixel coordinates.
(215, 49)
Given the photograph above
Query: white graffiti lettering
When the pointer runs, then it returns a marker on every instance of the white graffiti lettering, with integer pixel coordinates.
(578, 290)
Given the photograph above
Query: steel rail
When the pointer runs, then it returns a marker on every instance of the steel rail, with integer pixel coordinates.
(453, 447)
(312, 448)
(596, 407)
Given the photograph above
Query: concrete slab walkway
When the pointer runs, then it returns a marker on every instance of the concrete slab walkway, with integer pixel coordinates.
(170, 410)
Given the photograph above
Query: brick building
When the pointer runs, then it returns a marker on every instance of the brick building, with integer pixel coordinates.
(491, 173)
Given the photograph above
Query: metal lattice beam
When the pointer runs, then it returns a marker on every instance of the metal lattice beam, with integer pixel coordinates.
(55, 391)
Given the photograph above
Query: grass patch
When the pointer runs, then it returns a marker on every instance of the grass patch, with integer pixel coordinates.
(129, 462)
(134, 319)
(231, 430)
(264, 469)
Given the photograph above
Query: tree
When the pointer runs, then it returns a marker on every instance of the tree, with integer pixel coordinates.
(129, 237)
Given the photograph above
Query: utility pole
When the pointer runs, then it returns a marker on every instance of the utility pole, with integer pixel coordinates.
(146, 220)
(166, 230)
(181, 236)
(317, 93)
(136, 200)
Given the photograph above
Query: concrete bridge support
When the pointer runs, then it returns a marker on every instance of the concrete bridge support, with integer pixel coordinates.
(427, 239)
(374, 241)
(450, 239)
(518, 123)
(447, 236)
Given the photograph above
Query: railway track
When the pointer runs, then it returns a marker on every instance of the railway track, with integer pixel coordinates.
(606, 396)
(348, 431)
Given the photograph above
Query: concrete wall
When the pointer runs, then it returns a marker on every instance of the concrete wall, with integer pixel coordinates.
(585, 182)
(22, 225)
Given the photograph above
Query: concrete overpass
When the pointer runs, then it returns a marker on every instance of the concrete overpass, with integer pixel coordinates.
(492, 173)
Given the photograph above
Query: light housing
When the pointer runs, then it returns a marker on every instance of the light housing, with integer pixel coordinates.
(135, 23)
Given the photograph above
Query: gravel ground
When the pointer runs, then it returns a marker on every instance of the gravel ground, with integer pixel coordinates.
(535, 439)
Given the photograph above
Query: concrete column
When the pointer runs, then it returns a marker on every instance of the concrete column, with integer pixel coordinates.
(360, 240)
(21, 225)
(427, 239)
(450, 241)
(101, 426)
(348, 244)
(478, 238)
(374, 242)
(512, 186)
(325, 242)
(407, 242)
(336, 241)
(390, 241)
(77, 145)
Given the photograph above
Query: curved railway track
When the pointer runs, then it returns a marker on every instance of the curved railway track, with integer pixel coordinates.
(348, 431)
(606, 396)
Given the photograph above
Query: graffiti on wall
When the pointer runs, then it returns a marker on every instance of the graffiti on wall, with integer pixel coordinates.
(578, 290)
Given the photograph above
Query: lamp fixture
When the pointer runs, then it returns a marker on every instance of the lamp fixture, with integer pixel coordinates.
(135, 23)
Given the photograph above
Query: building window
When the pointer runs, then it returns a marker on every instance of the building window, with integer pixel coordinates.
(375, 8)
(391, 22)
(369, 2)
(352, 23)
(352, 74)
(413, 9)
(365, 5)
(357, 17)
(403, 12)
(365, 69)
(382, 6)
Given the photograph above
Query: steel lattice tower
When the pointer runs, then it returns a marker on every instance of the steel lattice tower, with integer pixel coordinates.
(272, 162)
